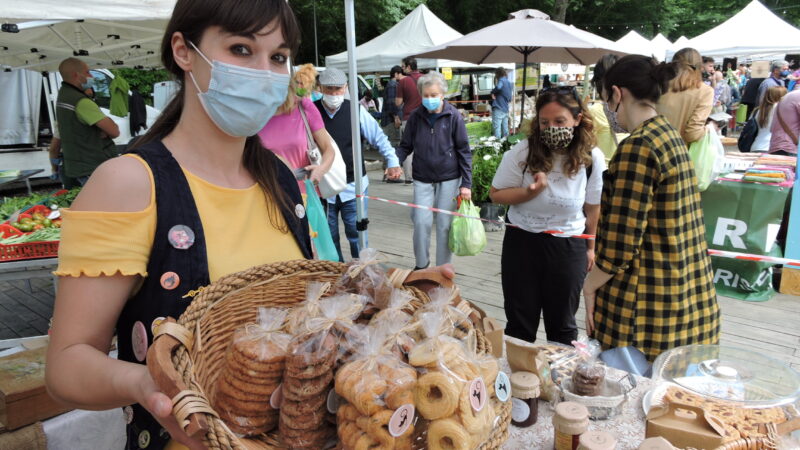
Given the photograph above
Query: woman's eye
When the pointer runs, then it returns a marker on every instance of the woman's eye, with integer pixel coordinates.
(241, 50)
(280, 58)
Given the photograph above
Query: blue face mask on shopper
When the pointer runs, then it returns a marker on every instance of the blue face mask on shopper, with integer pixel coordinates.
(785, 73)
(431, 103)
(240, 100)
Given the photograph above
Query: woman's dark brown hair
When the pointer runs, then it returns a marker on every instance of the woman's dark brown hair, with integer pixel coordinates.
(771, 98)
(579, 151)
(192, 18)
(643, 76)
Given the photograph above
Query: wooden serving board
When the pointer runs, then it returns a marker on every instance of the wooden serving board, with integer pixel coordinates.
(23, 397)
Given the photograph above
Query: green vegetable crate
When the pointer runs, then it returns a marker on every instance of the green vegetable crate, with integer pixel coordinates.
(18, 244)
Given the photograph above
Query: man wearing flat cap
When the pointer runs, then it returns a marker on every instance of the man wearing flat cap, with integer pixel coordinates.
(335, 111)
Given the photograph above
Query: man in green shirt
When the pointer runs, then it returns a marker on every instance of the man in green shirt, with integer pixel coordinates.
(86, 133)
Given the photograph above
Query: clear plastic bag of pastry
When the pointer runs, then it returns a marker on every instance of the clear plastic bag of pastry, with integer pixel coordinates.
(458, 323)
(395, 321)
(379, 392)
(365, 276)
(312, 356)
(252, 372)
(590, 373)
(450, 392)
(309, 308)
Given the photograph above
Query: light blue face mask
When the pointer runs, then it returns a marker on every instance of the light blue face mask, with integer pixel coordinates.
(315, 96)
(431, 103)
(240, 100)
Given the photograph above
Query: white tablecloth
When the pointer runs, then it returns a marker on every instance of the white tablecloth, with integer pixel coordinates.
(86, 430)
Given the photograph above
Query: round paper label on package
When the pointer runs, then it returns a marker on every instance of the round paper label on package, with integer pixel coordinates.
(333, 401)
(276, 398)
(139, 341)
(477, 394)
(519, 410)
(501, 387)
(401, 420)
(181, 237)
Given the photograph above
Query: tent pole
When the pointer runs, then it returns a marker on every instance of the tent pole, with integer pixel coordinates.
(316, 49)
(524, 79)
(350, 28)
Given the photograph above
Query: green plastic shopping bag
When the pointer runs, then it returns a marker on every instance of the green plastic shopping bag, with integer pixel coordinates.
(318, 224)
(467, 236)
(704, 154)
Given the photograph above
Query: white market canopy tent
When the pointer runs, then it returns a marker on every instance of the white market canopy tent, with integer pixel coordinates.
(661, 45)
(755, 30)
(680, 43)
(419, 31)
(39, 34)
(635, 43)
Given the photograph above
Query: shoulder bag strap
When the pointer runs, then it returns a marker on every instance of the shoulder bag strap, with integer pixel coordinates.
(784, 126)
(311, 142)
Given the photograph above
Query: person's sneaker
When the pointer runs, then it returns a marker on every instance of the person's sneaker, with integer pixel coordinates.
(392, 181)
(420, 268)
(407, 181)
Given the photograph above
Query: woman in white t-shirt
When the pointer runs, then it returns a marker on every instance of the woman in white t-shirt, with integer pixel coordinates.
(546, 182)
(765, 113)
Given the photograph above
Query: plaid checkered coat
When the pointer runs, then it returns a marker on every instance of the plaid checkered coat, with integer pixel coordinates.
(651, 237)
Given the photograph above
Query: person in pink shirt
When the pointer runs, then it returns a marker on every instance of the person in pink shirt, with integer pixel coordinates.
(285, 133)
(786, 125)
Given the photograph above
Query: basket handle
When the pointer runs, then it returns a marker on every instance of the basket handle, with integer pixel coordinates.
(159, 363)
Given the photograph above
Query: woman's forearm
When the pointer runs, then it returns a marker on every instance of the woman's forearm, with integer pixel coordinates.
(592, 216)
(512, 196)
(83, 377)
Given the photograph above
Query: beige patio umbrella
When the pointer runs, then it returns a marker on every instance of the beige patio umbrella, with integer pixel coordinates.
(527, 36)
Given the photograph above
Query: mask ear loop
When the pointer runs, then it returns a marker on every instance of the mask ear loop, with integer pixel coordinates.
(191, 75)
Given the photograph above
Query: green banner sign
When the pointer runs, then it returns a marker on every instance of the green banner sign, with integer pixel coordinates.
(743, 217)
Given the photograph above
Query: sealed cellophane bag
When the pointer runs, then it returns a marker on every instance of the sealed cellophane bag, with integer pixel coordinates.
(451, 393)
(590, 373)
(309, 308)
(457, 323)
(378, 389)
(305, 421)
(395, 322)
(252, 372)
(365, 276)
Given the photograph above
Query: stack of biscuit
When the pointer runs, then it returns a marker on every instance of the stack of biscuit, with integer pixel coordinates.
(739, 422)
(374, 388)
(443, 394)
(306, 384)
(588, 378)
(252, 372)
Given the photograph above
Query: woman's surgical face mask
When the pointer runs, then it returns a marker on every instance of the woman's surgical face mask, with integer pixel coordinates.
(241, 100)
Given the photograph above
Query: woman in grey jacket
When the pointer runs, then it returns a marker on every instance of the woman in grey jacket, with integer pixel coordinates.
(442, 166)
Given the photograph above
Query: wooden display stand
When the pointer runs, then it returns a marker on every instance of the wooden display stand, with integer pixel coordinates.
(790, 278)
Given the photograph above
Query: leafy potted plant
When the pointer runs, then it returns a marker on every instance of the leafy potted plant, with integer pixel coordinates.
(486, 156)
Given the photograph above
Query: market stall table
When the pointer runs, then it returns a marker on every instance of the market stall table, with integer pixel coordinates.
(28, 269)
(628, 427)
(24, 175)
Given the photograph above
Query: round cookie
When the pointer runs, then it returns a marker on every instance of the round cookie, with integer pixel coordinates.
(298, 388)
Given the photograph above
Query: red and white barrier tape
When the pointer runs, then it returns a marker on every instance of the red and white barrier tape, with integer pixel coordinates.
(712, 252)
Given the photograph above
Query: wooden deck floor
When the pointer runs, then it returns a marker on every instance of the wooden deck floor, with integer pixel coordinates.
(772, 327)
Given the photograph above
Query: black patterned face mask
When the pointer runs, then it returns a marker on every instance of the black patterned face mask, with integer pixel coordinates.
(557, 138)
(612, 120)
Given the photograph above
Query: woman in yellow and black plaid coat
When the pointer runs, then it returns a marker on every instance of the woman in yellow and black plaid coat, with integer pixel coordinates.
(652, 285)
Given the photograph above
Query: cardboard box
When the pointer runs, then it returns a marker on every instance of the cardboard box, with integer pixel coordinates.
(23, 397)
(685, 426)
(759, 69)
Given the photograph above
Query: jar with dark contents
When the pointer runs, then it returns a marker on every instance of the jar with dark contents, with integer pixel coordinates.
(569, 422)
(524, 399)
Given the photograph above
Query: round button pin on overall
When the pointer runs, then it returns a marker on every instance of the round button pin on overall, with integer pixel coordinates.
(180, 237)
(170, 280)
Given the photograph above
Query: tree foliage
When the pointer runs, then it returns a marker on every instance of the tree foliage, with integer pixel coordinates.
(142, 80)
(608, 18)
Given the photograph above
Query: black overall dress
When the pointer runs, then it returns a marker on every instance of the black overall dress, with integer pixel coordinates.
(186, 269)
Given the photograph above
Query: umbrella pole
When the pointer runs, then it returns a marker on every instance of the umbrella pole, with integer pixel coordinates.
(350, 26)
(524, 79)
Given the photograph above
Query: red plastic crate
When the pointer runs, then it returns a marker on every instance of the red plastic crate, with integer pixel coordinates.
(28, 250)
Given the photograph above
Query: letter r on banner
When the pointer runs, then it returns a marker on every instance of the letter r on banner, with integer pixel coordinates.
(731, 228)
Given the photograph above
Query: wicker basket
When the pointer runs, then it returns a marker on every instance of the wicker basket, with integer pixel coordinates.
(185, 360)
